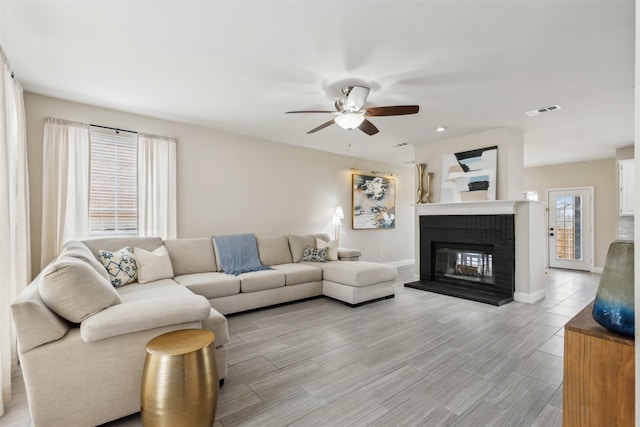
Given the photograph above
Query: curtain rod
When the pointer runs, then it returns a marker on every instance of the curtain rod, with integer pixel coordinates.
(116, 129)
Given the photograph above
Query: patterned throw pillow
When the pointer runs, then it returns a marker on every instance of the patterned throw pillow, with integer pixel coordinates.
(314, 255)
(121, 266)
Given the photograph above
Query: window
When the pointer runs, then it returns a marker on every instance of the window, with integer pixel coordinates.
(113, 183)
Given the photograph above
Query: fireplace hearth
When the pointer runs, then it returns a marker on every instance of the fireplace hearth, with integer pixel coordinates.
(468, 256)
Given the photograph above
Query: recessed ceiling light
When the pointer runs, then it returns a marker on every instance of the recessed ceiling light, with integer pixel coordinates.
(402, 144)
(441, 129)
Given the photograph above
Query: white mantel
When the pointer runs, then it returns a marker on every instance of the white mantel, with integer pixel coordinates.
(530, 238)
(490, 207)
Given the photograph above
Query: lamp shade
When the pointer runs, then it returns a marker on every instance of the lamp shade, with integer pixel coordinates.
(349, 121)
(336, 220)
(339, 212)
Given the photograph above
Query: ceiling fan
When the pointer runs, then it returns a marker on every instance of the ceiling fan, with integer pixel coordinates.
(350, 113)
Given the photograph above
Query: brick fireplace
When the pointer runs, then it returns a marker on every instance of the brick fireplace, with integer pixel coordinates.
(492, 252)
(468, 256)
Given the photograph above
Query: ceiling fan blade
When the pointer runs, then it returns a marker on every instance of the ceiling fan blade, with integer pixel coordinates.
(357, 97)
(310, 111)
(322, 126)
(398, 110)
(367, 127)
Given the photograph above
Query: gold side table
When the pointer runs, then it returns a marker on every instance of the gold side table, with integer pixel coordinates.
(180, 380)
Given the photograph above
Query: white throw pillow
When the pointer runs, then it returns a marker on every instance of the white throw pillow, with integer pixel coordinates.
(332, 252)
(74, 290)
(154, 265)
(121, 266)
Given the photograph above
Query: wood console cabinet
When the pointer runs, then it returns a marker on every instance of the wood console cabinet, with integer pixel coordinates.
(599, 375)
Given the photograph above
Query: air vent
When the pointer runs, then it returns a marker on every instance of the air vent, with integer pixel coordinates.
(543, 110)
(402, 144)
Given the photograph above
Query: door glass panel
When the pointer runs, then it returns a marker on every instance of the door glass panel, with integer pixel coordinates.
(569, 228)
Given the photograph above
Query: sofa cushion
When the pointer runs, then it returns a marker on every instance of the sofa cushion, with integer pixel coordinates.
(144, 315)
(261, 280)
(153, 265)
(314, 255)
(357, 273)
(296, 274)
(332, 248)
(74, 290)
(121, 266)
(297, 243)
(156, 289)
(210, 285)
(274, 250)
(191, 255)
(86, 256)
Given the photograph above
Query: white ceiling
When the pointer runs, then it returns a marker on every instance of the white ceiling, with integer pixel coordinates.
(239, 65)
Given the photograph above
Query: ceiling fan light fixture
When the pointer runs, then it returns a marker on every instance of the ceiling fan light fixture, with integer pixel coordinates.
(349, 121)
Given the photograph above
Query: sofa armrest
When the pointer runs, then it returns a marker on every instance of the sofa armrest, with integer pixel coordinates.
(345, 254)
(143, 315)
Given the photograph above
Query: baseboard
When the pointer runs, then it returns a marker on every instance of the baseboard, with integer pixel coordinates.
(402, 263)
(528, 298)
(597, 270)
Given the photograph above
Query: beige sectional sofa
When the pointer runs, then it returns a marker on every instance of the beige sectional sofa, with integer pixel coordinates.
(88, 371)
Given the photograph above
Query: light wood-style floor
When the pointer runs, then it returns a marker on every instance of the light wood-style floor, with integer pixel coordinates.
(417, 359)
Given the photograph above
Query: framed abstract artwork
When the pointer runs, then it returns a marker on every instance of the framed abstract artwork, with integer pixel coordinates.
(374, 202)
(469, 175)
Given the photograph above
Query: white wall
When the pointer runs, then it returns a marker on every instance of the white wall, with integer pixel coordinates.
(510, 159)
(233, 184)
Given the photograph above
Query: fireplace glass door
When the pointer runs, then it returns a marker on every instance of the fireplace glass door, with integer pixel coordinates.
(473, 264)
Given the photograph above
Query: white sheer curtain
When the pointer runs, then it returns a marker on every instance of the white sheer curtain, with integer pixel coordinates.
(65, 185)
(156, 186)
(15, 252)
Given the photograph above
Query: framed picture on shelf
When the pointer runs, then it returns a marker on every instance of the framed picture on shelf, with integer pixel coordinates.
(374, 202)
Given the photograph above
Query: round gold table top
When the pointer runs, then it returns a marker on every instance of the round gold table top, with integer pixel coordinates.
(180, 342)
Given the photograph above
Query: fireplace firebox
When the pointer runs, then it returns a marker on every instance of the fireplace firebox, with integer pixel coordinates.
(468, 256)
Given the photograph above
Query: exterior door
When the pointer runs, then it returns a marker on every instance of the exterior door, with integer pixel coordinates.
(570, 232)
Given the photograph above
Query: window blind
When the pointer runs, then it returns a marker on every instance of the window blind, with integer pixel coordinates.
(113, 189)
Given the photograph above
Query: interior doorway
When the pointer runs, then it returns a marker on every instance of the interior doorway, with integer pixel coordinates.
(570, 228)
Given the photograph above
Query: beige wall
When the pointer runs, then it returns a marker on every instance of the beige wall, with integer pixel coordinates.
(601, 174)
(510, 159)
(233, 184)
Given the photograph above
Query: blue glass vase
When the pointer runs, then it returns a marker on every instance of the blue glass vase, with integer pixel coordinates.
(613, 306)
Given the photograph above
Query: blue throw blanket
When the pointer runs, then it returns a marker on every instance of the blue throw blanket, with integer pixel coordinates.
(238, 254)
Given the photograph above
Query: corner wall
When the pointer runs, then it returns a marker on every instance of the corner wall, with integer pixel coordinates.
(601, 174)
(230, 184)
